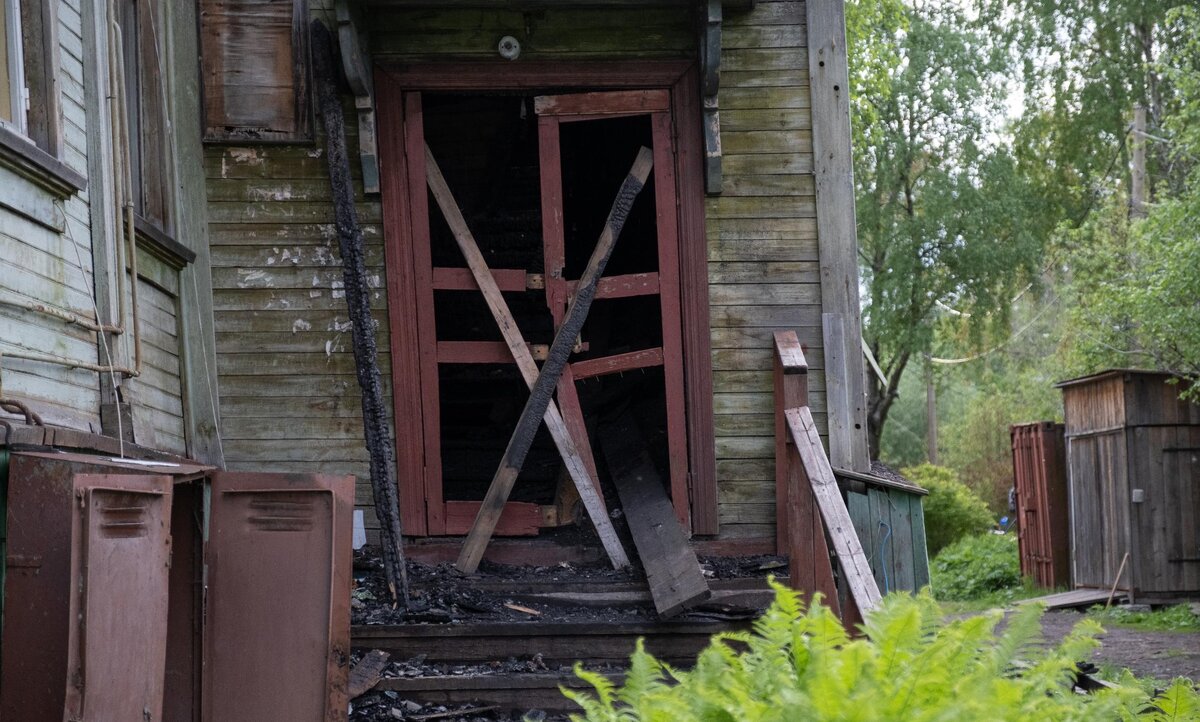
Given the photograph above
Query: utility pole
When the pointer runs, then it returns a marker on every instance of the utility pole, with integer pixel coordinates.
(1137, 182)
(931, 439)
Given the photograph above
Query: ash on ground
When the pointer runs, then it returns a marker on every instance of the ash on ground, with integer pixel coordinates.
(440, 594)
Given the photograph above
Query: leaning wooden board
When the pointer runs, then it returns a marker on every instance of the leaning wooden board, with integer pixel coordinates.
(672, 570)
(833, 510)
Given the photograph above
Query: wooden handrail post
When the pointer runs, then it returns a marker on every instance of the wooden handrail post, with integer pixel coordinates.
(800, 533)
(791, 392)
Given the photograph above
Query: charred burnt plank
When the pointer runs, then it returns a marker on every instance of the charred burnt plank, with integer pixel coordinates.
(542, 391)
(358, 303)
(672, 570)
(367, 673)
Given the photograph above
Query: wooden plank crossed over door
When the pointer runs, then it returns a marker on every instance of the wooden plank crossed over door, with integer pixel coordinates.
(584, 484)
(540, 395)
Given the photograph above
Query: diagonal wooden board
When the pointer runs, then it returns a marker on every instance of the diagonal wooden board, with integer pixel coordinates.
(672, 571)
(567, 447)
(541, 395)
(846, 544)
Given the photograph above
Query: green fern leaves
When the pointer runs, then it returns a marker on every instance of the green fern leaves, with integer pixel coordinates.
(799, 664)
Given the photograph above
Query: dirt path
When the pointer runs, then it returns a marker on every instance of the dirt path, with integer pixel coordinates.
(1160, 655)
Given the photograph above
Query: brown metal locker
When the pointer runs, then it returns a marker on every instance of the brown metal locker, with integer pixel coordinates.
(277, 634)
(120, 556)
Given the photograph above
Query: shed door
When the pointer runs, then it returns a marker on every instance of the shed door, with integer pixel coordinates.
(535, 177)
(278, 616)
(120, 554)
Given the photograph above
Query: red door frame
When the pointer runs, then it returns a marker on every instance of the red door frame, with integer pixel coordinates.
(592, 106)
(399, 215)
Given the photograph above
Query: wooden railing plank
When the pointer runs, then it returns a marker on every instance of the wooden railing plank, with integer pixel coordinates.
(853, 561)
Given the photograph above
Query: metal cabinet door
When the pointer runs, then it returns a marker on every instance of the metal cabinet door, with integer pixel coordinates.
(120, 556)
(277, 632)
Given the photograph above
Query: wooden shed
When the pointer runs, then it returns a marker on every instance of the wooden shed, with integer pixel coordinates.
(1133, 457)
(890, 521)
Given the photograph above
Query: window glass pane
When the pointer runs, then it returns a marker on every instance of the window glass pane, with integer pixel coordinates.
(6, 89)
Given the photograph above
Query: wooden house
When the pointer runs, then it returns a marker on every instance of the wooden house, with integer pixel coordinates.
(187, 294)
(1133, 464)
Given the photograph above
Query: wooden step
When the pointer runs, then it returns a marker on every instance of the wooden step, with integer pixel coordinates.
(559, 643)
(521, 692)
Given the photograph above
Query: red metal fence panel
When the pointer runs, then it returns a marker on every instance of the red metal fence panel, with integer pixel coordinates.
(1043, 517)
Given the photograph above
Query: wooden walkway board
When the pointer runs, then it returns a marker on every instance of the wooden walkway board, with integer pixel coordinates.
(833, 510)
(1076, 598)
(672, 570)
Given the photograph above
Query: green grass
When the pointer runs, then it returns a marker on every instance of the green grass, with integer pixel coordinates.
(1179, 618)
(992, 600)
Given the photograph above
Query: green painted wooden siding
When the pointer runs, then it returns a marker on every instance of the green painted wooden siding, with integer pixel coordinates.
(39, 264)
(891, 526)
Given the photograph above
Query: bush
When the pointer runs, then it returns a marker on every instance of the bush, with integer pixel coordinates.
(952, 511)
(801, 665)
(975, 566)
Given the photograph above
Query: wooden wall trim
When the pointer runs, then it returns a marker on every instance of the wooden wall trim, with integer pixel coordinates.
(836, 235)
(189, 206)
(693, 277)
(401, 294)
(535, 75)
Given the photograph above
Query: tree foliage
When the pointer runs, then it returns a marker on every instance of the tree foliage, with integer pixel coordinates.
(1136, 283)
(945, 218)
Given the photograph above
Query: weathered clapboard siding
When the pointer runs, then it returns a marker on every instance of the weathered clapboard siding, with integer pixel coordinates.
(41, 263)
(157, 394)
(762, 251)
(288, 394)
(556, 33)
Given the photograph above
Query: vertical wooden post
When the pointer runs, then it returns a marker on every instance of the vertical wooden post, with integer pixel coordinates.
(799, 533)
(833, 173)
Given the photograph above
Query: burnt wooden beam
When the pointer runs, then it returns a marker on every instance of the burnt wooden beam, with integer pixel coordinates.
(560, 350)
(487, 283)
(672, 571)
(358, 302)
(710, 81)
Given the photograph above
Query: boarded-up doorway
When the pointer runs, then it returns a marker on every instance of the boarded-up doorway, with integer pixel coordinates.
(534, 173)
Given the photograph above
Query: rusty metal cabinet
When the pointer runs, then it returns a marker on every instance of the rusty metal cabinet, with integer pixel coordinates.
(116, 606)
(1043, 516)
(277, 641)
